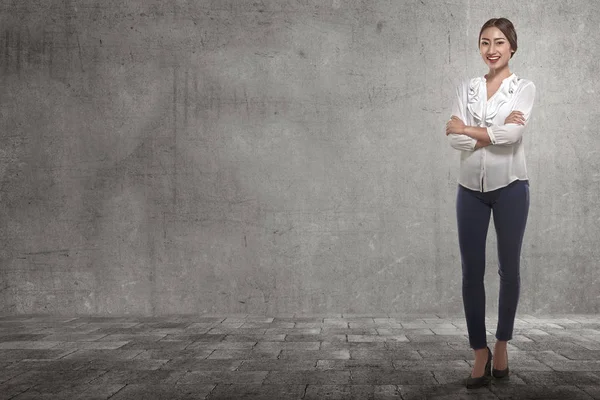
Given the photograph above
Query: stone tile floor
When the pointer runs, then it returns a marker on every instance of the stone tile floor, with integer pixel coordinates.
(289, 357)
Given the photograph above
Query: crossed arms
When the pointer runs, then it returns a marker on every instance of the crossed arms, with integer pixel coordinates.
(470, 138)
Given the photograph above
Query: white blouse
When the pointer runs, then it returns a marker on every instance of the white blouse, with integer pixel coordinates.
(503, 161)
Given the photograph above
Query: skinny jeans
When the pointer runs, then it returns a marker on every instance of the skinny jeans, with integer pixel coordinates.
(510, 207)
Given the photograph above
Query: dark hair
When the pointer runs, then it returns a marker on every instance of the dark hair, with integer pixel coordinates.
(505, 27)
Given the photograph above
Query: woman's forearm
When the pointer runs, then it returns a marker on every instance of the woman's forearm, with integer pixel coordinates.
(481, 143)
(477, 133)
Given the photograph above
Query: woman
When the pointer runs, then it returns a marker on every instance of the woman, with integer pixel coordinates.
(490, 114)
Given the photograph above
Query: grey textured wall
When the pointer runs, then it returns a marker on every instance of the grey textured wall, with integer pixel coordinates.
(278, 156)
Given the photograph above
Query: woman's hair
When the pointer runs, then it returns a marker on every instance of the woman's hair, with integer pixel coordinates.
(505, 27)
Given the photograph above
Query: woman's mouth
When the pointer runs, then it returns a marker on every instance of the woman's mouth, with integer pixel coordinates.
(493, 59)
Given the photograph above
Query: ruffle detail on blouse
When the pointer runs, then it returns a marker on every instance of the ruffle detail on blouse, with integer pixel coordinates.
(476, 97)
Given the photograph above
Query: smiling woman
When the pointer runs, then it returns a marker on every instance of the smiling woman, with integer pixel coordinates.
(490, 113)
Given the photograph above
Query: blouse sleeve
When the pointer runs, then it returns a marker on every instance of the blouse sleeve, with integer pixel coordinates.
(512, 133)
(458, 141)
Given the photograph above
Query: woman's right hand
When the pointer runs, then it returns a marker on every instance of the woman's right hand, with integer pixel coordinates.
(515, 117)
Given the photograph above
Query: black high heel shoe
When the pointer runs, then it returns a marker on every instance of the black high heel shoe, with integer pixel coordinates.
(501, 373)
(473, 383)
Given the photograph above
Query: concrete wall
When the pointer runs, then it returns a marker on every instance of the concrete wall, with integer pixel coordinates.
(278, 156)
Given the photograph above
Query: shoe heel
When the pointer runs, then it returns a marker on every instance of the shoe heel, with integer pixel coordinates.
(484, 380)
(488, 364)
(500, 373)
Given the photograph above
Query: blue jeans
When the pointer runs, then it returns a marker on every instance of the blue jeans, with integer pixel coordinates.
(510, 205)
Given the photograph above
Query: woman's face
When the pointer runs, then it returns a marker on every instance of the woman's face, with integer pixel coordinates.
(494, 48)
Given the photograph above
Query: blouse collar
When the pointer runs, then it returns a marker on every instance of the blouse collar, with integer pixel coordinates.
(476, 97)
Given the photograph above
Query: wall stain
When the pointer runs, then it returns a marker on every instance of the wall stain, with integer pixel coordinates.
(185, 99)
(19, 51)
(196, 109)
(175, 89)
(80, 57)
(6, 52)
(51, 56)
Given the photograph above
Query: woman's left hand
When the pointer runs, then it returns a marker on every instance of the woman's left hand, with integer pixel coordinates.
(455, 125)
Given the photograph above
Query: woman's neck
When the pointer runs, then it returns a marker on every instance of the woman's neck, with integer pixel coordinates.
(495, 75)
